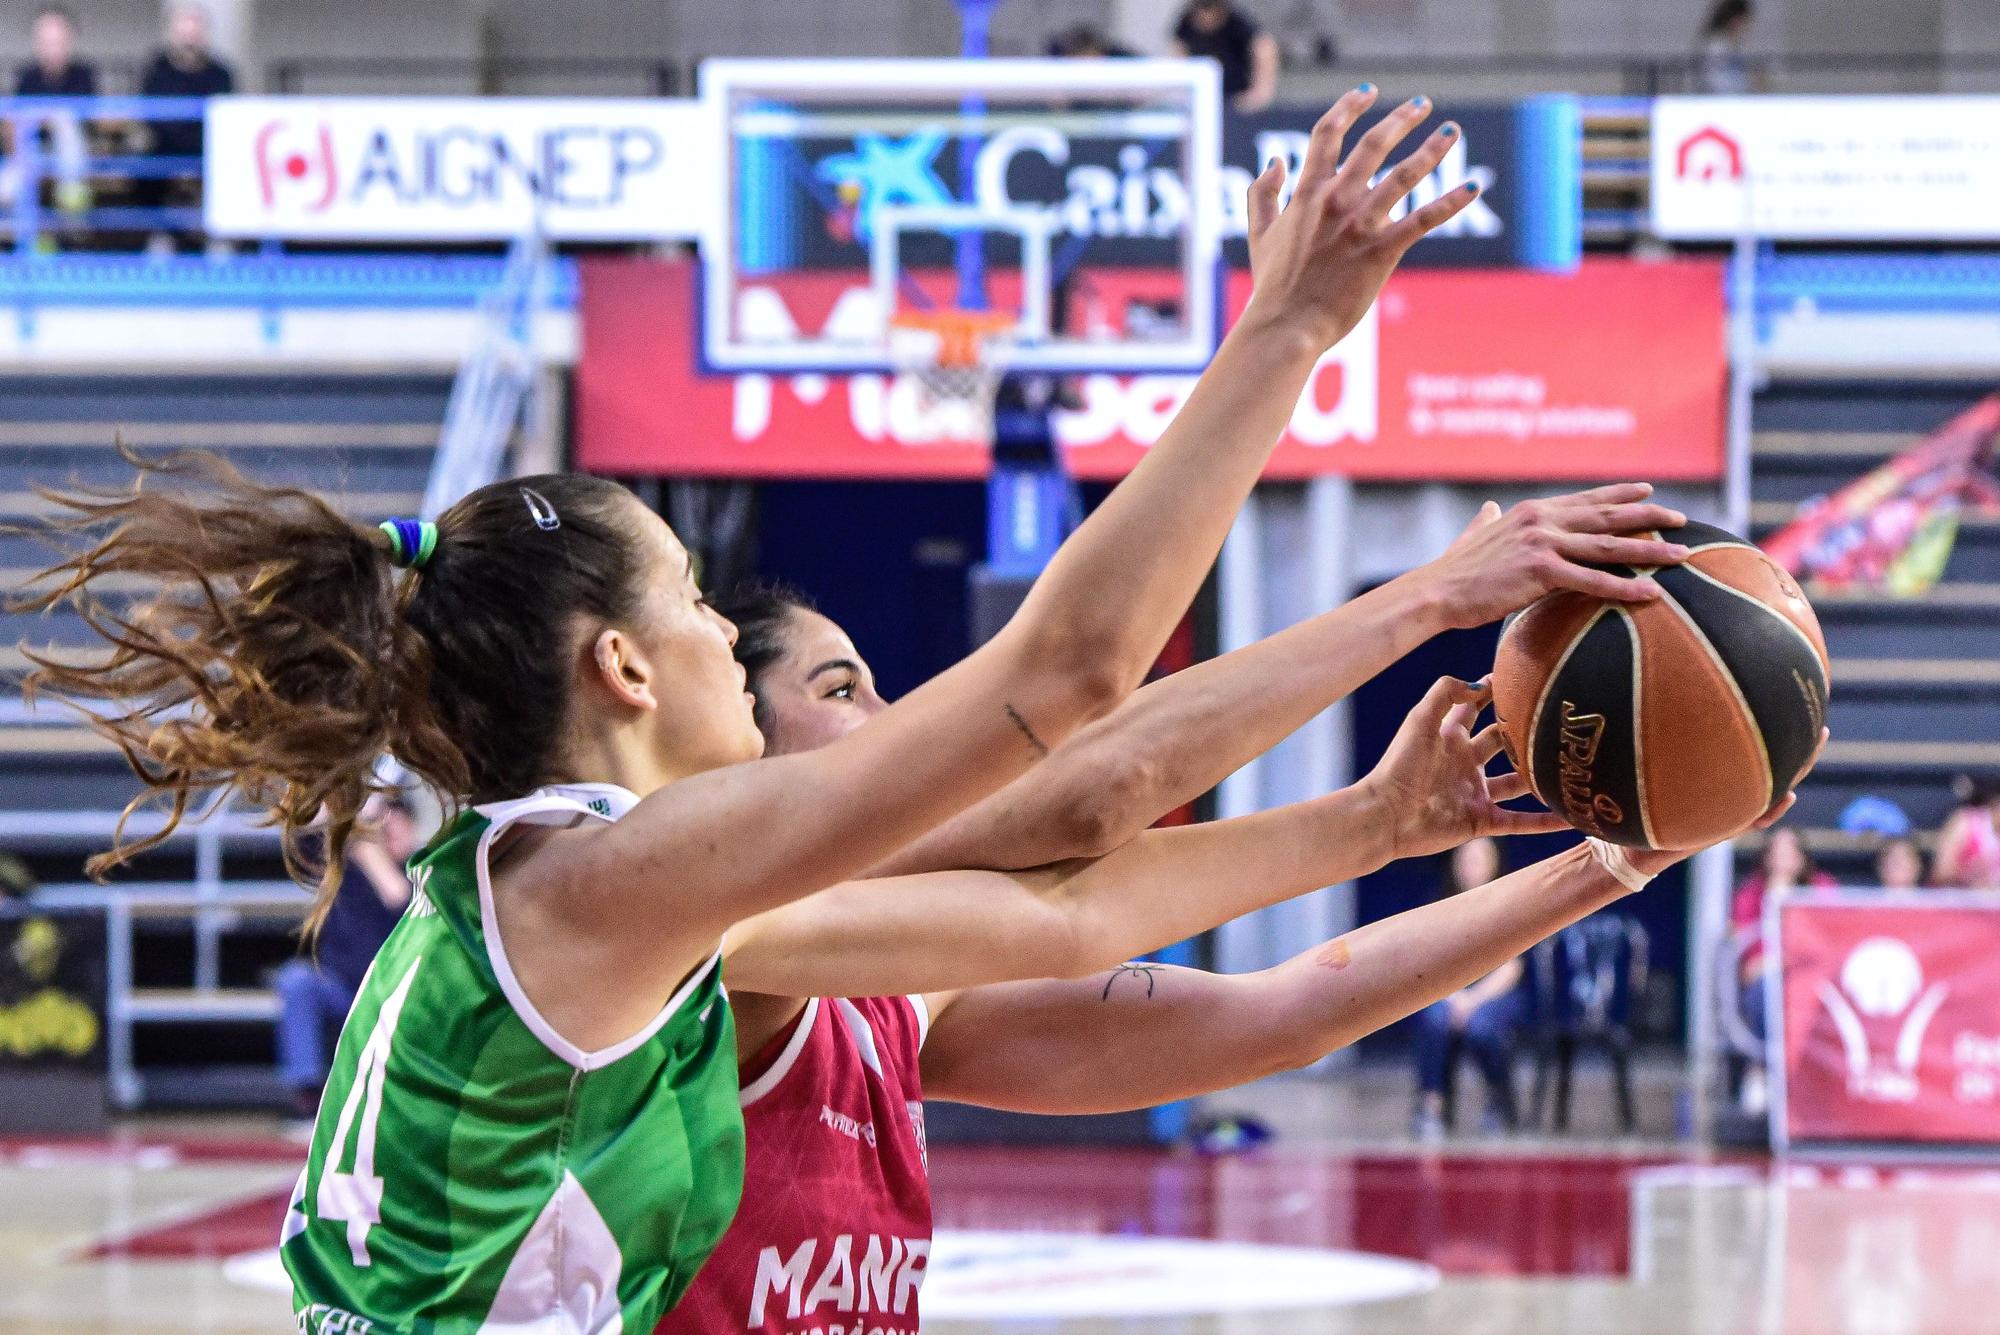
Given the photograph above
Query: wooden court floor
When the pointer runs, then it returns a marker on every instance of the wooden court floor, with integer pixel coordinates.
(170, 1230)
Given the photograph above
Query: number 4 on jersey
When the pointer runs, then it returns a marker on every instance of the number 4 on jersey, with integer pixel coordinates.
(356, 1197)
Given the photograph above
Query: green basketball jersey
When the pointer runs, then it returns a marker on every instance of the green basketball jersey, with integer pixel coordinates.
(473, 1171)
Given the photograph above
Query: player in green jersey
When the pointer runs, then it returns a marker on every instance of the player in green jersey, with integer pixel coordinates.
(531, 1119)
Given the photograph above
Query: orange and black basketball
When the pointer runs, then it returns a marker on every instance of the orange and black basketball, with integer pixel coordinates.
(1669, 724)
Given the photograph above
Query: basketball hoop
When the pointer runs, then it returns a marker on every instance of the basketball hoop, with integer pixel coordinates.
(944, 352)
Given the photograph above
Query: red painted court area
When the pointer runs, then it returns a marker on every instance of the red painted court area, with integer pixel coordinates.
(1466, 1215)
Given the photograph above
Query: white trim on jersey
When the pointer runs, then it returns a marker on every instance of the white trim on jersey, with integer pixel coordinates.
(563, 804)
(923, 1013)
(862, 1034)
(787, 1059)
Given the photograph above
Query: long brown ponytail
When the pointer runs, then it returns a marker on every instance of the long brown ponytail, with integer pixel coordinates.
(282, 656)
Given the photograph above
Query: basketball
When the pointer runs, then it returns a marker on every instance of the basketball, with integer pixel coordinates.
(1669, 724)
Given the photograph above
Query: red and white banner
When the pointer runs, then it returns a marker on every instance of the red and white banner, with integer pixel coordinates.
(1826, 168)
(1615, 371)
(458, 168)
(1892, 1019)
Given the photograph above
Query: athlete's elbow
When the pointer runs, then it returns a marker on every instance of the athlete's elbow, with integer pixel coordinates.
(1084, 944)
(1092, 660)
(1105, 805)
(1284, 1054)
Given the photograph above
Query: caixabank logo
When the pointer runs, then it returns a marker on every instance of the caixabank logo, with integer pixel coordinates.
(1116, 199)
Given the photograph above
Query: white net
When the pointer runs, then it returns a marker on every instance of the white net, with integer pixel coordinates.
(942, 355)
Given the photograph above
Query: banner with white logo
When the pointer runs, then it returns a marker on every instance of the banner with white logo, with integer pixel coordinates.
(457, 168)
(1827, 168)
(1891, 1017)
(1472, 374)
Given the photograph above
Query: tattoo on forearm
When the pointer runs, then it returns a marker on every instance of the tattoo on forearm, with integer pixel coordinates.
(1145, 971)
(1334, 955)
(1026, 731)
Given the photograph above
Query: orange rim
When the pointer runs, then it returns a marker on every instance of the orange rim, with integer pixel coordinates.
(960, 333)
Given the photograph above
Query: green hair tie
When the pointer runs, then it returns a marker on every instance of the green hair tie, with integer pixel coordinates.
(411, 541)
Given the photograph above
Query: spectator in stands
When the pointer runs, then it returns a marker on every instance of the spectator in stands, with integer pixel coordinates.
(314, 995)
(1785, 869)
(1898, 864)
(1086, 41)
(17, 878)
(55, 71)
(1218, 31)
(1968, 851)
(1722, 64)
(185, 67)
(1479, 1021)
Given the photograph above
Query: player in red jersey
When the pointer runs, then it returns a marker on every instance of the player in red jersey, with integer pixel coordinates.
(834, 1229)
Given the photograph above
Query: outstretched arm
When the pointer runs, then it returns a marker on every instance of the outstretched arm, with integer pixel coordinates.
(943, 930)
(1143, 1033)
(740, 840)
(1179, 737)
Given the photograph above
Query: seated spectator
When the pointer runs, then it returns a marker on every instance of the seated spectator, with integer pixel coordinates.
(184, 67)
(1479, 1021)
(1968, 851)
(55, 72)
(17, 878)
(1722, 60)
(1785, 869)
(1898, 865)
(1217, 30)
(315, 994)
(1086, 41)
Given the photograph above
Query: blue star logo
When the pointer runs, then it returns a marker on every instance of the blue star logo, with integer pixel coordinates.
(888, 171)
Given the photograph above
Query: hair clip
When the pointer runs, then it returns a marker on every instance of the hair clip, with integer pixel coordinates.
(540, 510)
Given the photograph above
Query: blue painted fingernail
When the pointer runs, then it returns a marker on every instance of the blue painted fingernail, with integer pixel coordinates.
(1472, 187)
(1449, 131)
(1420, 103)
(1366, 88)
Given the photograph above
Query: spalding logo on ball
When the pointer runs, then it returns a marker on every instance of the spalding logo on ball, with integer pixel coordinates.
(1674, 723)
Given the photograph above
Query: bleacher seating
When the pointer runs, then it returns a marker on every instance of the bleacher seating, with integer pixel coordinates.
(1916, 681)
(367, 439)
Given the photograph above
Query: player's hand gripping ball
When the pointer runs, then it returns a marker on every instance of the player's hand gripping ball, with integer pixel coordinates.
(1670, 724)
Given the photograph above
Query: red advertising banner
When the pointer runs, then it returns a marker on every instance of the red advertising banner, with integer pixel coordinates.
(1615, 371)
(1892, 1019)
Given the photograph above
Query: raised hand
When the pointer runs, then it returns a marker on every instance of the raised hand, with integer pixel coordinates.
(1504, 561)
(1432, 781)
(1319, 261)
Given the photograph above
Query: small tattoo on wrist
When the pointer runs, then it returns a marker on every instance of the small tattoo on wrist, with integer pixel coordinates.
(1145, 971)
(1014, 715)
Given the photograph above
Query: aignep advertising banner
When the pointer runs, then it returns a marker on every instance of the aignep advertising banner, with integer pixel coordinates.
(456, 168)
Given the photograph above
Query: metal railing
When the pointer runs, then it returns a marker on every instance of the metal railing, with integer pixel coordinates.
(494, 390)
(213, 904)
(56, 142)
(1652, 75)
(532, 76)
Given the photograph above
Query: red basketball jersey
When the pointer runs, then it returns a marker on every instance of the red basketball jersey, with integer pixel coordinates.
(834, 1231)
